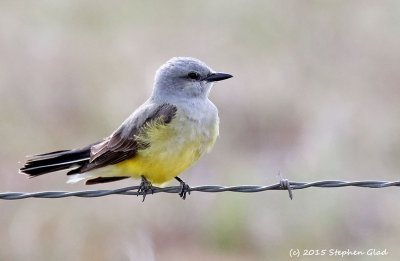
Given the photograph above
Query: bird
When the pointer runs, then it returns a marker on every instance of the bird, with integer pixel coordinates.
(162, 138)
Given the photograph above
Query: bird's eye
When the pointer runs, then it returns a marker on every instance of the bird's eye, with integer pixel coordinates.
(194, 75)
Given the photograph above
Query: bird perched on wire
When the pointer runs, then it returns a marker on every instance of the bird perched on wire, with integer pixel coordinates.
(157, 142)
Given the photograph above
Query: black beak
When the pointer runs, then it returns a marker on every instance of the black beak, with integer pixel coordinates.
(217, 77)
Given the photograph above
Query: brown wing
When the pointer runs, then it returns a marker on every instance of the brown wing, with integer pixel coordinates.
(122, 144)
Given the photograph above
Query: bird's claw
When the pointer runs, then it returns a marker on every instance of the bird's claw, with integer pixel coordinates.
(185, 188)
(145, 188)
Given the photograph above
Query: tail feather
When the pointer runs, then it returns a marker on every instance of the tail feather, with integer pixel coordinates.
(54, 161)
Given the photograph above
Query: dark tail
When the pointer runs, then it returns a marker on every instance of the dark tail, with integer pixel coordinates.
(54, 161)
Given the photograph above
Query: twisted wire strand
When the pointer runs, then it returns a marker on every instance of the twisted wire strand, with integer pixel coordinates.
(133, 190)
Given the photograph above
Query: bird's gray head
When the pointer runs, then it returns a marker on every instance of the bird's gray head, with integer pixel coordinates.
(185, 77)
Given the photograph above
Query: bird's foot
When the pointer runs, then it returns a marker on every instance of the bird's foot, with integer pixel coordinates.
(145, 188)
(185, 188)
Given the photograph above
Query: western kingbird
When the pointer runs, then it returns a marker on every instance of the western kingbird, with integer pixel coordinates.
(158, 141)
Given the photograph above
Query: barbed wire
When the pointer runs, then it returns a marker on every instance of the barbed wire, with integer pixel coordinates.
(284, 184)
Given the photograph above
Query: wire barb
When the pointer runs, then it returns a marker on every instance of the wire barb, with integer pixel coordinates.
(284, 184)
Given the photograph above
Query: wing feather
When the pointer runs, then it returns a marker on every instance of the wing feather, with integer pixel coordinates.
(122, 144)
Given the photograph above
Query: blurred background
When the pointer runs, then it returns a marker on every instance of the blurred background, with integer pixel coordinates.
(315, 95)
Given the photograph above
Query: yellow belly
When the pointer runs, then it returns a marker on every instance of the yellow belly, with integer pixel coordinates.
(173, 148)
